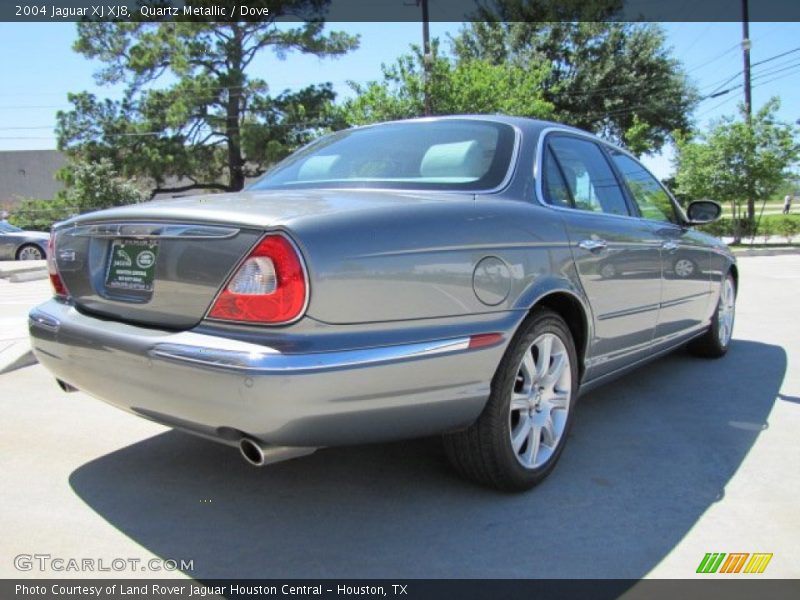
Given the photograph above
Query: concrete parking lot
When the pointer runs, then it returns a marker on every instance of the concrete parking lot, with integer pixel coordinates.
(683, 457)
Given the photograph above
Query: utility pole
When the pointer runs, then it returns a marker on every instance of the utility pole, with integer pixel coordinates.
(748, 104)
(748, 101)
(426, 56)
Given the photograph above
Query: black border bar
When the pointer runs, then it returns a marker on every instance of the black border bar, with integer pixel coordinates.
(401, 10)
(712, 586)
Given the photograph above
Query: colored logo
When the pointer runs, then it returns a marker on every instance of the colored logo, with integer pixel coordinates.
(145, 259)
(734, 562)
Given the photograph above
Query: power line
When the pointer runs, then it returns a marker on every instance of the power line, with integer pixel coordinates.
(714, 59)
(795, 71)
(775, 57)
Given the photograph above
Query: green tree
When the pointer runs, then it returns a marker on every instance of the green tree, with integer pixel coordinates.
(616, 79)
(89, 186)
(736, 162)
(96, 185)
(213, 124)
(469, 86)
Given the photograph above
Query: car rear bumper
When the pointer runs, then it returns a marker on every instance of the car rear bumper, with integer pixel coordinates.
(226, 389)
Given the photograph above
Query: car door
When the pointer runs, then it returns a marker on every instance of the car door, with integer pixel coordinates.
(617, 256)
(7, 244)
(685, 256)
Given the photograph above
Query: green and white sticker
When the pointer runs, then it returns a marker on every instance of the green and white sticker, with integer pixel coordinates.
(132, 265)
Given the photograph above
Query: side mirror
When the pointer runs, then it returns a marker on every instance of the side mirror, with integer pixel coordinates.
(701, 212)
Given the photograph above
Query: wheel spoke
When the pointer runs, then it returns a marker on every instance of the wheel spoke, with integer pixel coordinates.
(559, 400)
(528, 369)
(534, 442)
(521, 433)
(554, 374)
(545, 347)
(549, 432)
(520, 402)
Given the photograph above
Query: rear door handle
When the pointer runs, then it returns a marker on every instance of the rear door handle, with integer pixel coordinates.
(593, 245)
(669, 246)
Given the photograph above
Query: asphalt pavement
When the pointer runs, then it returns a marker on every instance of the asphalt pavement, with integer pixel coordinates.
(683, 457)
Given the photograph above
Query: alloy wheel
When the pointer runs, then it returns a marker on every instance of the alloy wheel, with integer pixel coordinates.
(726, 311)
(540, 401)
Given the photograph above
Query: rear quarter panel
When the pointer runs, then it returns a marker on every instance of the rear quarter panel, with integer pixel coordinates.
(422, 261)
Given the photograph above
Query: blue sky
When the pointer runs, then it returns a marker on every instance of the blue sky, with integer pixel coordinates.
(39, 68)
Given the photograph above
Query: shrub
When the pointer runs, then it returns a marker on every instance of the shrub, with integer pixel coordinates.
(721, 228)
(787, 227)
(39, 215)
(766, 228)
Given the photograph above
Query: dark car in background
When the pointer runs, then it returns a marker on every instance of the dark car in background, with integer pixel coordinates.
(465, 276)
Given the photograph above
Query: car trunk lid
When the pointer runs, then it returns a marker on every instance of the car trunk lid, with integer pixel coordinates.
(151, 273)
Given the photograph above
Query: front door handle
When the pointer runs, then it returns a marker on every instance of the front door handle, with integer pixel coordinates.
(593, 245)
(669, 246)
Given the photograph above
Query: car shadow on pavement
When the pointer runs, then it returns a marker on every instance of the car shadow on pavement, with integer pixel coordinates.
(648, 455)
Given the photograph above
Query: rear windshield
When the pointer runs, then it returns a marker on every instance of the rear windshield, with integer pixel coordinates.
(451, 154)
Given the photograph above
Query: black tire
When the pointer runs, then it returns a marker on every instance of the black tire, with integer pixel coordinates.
(22, 248)
(711, 343)
(483, 452)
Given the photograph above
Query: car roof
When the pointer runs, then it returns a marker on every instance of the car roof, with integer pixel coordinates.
(526, 124)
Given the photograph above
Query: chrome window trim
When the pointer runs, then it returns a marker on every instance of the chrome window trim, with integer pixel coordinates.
(504, 183)
(538, 165)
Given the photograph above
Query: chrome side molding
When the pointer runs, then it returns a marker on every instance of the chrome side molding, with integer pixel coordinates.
(271, 361)
(145, 231)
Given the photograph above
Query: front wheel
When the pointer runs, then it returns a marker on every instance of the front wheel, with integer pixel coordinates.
(715, 342)
(518, 438)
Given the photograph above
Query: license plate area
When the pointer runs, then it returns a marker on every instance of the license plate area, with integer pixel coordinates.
(131, 265)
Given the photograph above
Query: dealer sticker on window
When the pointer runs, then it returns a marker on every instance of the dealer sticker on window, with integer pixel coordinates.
(132, 265)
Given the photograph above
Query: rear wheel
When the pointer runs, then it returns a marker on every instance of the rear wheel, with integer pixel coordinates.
(30, 252)
(716, 341)
(520, 434)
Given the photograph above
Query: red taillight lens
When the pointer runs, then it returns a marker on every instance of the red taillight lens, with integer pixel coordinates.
(268, 287)
(52, 268)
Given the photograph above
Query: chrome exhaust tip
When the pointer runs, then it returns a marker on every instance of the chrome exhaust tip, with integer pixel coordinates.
(259, 454)
(251, 452)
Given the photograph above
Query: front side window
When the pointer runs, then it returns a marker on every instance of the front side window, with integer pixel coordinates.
(447, 154)
(590, 181)
(653, 202)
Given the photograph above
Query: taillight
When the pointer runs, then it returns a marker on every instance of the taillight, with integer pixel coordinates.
(52, 268)
(268, 287)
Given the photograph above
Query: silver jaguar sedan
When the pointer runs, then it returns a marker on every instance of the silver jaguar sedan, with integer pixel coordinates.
(465, 276)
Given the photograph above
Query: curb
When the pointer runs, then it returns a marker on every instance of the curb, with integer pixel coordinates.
(766, 251)
(10, 268)
(23, 276)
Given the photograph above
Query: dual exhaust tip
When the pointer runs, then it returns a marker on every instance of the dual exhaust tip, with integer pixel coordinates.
(258, 453)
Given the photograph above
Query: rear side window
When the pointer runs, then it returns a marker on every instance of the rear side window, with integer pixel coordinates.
(555, 188)
(589, 179)
(653, 202)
